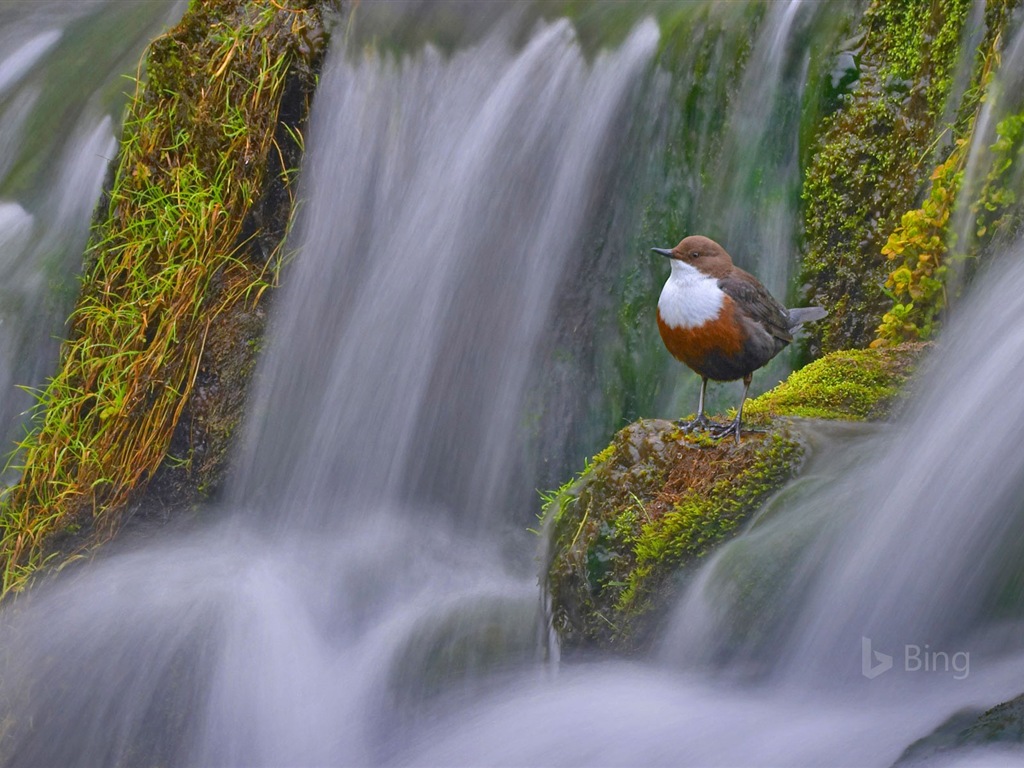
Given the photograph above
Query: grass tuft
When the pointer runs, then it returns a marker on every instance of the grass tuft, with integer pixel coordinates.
(168, 255)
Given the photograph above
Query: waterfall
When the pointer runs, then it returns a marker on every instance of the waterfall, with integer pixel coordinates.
(870, 603)
(448, 198)
(364, 594)
(740, 163)
(1004, 97)
(905, 545)
(361, 572)
(762, 149)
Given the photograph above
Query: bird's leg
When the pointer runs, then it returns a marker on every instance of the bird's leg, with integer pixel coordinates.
(734, 427)
(701, 421)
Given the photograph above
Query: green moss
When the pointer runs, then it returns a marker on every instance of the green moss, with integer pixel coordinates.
(923, 247)
(649, 505)
(700, 520)
(871, 160)
(999, 210)
(184, 244)
(852, 385)
(655, 501)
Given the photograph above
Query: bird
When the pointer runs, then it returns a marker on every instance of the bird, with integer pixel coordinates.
(721, 322)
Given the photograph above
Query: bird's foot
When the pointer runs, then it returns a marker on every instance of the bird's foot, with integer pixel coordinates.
(720, 431)
(700, 423)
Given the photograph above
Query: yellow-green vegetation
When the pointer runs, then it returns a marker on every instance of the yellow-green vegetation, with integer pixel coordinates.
(871, 157)
(651, 503)
(999, 210)
(852, 385)
(918, 250)
(180, 243)
(918, 246)
(655, 501)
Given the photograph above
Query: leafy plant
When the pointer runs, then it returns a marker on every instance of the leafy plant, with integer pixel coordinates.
(998, 207)
(918, 248)
(870, 160)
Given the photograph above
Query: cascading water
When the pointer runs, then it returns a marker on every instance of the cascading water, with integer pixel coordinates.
(865, 607)
(741, 166)
(1005, 96)
(762, 143)
(358, 604)
(423, 286)
(354, 584)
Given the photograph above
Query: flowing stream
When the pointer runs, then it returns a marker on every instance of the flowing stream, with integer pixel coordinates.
(366, 592)
(467, 184)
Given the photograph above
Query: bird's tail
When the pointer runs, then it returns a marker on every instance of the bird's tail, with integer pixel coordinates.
(801, 315)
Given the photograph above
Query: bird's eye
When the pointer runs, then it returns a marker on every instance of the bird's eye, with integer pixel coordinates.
(695, 254)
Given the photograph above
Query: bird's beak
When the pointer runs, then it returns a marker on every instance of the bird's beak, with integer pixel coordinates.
(663, 251)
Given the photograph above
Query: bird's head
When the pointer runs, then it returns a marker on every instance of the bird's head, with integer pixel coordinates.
(700, 252)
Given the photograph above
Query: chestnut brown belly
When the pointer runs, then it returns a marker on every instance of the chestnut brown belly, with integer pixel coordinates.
(715, 350)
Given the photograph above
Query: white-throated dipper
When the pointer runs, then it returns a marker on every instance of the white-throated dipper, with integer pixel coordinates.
(721, 322)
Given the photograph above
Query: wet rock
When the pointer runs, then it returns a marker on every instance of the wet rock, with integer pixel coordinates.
(643, 510)
(1000, 726)
(623, 535)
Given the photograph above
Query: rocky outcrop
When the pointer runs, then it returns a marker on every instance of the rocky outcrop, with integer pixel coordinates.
(971, 730)
(622, 534)
(184, 252)
(875, 258)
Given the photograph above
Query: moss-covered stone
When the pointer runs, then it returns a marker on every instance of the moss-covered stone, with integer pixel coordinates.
(197, 458)
(185, 247)
(926, 244)
(969, 729)
(852, 385)
(652, 503)
(1002, 723)
(656, 500)
(871, 160)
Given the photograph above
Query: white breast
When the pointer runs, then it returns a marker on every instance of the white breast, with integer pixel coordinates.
(690, 298)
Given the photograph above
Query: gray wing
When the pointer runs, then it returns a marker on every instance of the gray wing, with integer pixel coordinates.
(758, 305)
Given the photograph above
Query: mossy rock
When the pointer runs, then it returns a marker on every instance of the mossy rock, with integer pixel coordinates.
(866, 169)
(849, 385)
(1001, 724)
(999, 728)
(185, 249)
(652, 503)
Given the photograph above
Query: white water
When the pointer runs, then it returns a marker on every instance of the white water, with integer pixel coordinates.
(448, 197)
(893, 538)
(358, 581)
(364, 598)
(1004, 96)
(759, 171)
